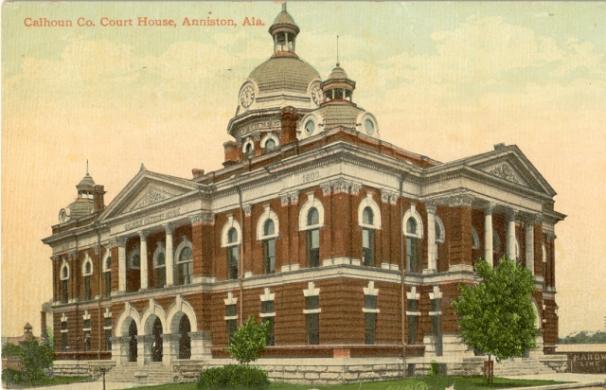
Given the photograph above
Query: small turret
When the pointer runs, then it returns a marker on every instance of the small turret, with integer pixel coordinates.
(284, 31)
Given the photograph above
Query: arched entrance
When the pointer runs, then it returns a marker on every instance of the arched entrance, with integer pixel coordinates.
(132, 341)
(156, 347)
(184, 339)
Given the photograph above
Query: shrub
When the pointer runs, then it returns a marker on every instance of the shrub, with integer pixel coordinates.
(11, 376)
(35, 359)
(233, 377)
(434, 369)
(248, 342)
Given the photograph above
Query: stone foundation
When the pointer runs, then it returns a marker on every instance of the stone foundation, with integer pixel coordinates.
(81, 367)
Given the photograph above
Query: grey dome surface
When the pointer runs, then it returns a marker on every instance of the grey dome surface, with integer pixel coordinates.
(284, 73)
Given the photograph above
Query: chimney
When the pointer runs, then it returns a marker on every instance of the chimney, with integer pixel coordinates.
(231, 153)
(98, 198)
(288, 119)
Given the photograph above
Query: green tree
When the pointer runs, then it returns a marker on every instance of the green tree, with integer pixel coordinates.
(249, 341)
(496, 316)
(35, 358)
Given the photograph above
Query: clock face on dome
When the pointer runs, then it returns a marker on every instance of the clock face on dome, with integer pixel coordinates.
(316, 94)
(247, 96)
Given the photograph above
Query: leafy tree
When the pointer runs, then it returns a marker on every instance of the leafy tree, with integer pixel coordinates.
(249, 341)
(35, 358)
(496, 316)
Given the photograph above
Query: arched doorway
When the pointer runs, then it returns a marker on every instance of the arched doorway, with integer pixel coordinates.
(184, 339)
(132, 342)
(156, 347)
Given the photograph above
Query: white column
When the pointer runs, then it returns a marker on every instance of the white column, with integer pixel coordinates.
(511, 234)
(121, 264)
(488, 234)
(143, 259)
(431, 239)
(529, 243)
(170, 273)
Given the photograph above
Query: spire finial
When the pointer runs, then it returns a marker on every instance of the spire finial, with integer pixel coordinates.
(337, 50)
(87, 167)
(284, 6)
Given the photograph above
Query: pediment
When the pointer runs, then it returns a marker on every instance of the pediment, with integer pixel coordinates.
(145, 190)
(506, 171)
(511, 165)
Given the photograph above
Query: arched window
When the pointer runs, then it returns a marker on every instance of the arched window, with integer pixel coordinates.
(496, 246)
(269, 247)
(413, 230)
(185, 263)
(233, 253)
(184, 339)
(440, 231)
(248, 149)
(368, 238)
(87, 272)
(270, 145)
(64, 276)
(313, 238)
(107, 275)
(159, 266)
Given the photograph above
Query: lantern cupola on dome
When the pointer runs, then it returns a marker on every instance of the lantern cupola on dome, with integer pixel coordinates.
(338, 88)
(284, 31)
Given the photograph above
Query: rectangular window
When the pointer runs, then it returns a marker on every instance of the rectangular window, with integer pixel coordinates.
(232, 326)
(230, 310)
(436, 304)
(413, 305)
(313, 247)
(64, 291)
(370, 327)
(267, 306)
(270, 330)
(64, 341)
(370, 301)
(312, 302)
(107, 283)
(107, 322)
(233, 255)
(86, 324)
(412, 329)
(87, 340)
(87, 289)
(108, 339)
(436, 328)
(269, 256)
(312, 323)
(367, 246)
(413, 263)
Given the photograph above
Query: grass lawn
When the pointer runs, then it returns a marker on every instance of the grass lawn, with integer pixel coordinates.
(416, 383)
(56, 380)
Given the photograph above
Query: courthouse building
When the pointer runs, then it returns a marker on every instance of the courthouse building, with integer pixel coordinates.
(350, 246)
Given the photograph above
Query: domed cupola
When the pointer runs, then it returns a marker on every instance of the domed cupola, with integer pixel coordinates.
(284, 31)
(89, 200)
(283, 80)
(338, 109)
(338, 88)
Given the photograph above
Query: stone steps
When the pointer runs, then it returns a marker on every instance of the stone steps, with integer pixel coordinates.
(149, 374)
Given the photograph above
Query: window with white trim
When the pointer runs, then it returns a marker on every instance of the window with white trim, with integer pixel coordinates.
(413, 245)
(159, 263)
(368, 237)
(185, 263)
(267, 232)
(475, 239)
(267, 314)
(233, 253)
(312, 313)
(64, 277)
(107, 329)
(313, 238)
(87, 272)
(64, 334)
(412, 315)
(370, 312)
(107, 274)
(134, 258)
(86, 330)
(231, 316)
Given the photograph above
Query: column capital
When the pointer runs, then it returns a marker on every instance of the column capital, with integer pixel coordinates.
(169, 228)
(431, 207)
(512, 213)
(460, 200)
(489, 207)
(143, 234)
(326, 188)
(531, 218)
(247, 210)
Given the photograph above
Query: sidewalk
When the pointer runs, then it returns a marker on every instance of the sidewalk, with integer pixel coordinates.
(578, 381)
(97, 385)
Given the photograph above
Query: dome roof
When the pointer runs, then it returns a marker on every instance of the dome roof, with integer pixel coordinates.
(284, 22)
(86, 184)
(337, 73)
(284, 18)
(284, 73)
